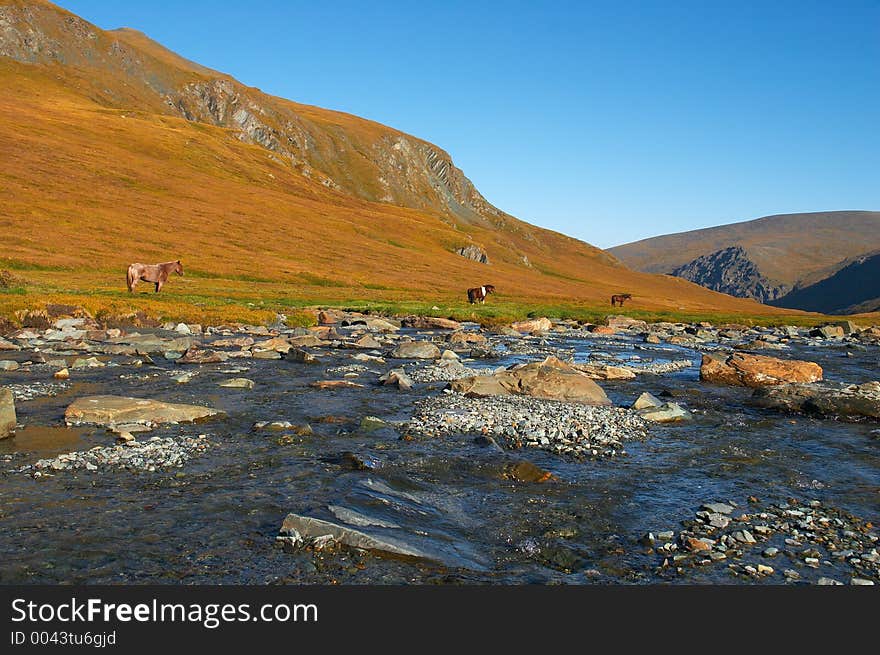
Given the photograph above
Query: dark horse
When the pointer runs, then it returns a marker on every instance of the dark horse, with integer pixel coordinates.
(478, 294)
(156, 273)
(618, 298)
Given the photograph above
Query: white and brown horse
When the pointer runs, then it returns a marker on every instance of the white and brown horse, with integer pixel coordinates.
(478, 294)
(155, 273)
(618, 298)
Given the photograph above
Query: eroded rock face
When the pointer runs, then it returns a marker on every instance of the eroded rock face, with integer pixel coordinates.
(8, 420)
(826, 399)
(745, 370)
(116, 410)
(551, 379)
(474, 253)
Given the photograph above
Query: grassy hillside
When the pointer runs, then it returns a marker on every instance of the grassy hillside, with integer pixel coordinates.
(787, 248)
(97, 171)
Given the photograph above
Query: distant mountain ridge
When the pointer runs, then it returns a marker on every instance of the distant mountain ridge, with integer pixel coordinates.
(768, 259)
(855, 288)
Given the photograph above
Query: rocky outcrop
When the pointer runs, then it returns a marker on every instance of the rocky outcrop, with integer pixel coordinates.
(730, 271)
(551, 379)
(474, 253)
(824, 399)
(744, 370)
(119, 410)
(8, 420)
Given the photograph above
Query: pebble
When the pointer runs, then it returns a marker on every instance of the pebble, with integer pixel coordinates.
(573, 429)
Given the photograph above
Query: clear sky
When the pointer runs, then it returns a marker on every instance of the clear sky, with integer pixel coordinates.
(609, 121)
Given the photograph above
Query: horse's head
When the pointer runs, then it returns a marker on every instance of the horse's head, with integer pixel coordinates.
(490, 289)
(178, 267)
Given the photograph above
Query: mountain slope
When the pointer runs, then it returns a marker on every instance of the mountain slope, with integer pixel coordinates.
(730, 271)
(113, 150)
(855, 288)
(786, 248)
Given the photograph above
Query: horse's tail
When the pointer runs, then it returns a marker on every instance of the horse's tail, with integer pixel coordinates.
(129, 278)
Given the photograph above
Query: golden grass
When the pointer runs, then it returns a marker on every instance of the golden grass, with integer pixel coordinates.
(87, 188)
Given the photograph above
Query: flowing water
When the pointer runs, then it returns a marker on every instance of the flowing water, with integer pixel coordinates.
(215, 519)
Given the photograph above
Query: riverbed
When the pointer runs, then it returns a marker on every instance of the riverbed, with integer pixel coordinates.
(216, 518)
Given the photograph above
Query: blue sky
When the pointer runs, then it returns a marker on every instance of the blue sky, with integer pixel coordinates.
(608, 121)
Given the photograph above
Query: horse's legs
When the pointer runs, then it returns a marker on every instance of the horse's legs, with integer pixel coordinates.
(158, 286)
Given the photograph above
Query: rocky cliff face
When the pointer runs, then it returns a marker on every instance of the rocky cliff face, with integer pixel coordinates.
(342, 152)
(730, 271)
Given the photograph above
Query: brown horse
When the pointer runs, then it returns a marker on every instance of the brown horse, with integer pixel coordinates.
(618, 298)
(156, 273)
(478, 294)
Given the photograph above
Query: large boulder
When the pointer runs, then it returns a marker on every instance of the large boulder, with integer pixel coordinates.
(533, 325)
(116, 410)
(551, 379)
(8, 420)
(745, 370)
(824, 399)
(416, 350)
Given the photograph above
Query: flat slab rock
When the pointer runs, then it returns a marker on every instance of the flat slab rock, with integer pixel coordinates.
(114, 410)
(369, 534)
(825, 398)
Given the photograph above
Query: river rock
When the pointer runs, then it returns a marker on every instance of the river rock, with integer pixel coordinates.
(297, 527)
(368, 342)
(113, 410)
(334, 384)
(91, 362)
(626, 323)
(416, 350)
(9, 365)
(828, 332)
(237, 383)
(431, 323)
(825, 399)
(8, 345)
(745, 370)
(647, 401)
(398, 377)
(199, 356)
(146, 344)
(380, 325)
(282, 345)
(301, 356)
(666, 413)
(467, 338)
(551, 379)
(532, 325)
(62, 374)
(605, 372)
(8, 420)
